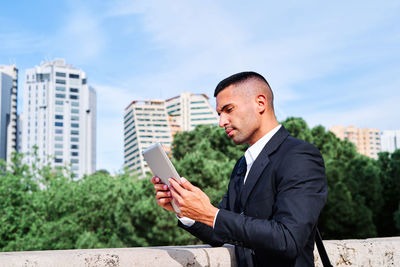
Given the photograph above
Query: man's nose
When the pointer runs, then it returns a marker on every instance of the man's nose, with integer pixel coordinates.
(223, 121)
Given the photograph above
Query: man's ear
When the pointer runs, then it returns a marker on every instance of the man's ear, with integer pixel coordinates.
(261, 102)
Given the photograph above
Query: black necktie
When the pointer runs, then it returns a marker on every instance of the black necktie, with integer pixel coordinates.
(240, 174)
(242, 168)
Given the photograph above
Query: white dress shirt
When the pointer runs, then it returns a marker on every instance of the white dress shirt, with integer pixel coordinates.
(250, 155)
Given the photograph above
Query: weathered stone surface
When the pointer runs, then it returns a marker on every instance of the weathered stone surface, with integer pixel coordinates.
(368, 252)
(189, 256)
(372, 252)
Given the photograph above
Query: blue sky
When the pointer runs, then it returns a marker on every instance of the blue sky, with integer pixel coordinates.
(329, 63)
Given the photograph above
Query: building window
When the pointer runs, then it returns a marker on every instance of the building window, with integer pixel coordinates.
(74, 153)
(74, 146)
(73, 90)
(59, 131)
(58, 160)
(60, 74)
(59, 102)
(75, 111)
(58, 145)
(75, 161)
(83, 81)
(74, 125)
(74, 76)
(59, 117)
(58, 123)
(73, 97)
(74, 132)
(60, 95)
(58, 138)
(59, 81)
(74, 118)
(74, 139)
(60, 88)
(75, 104)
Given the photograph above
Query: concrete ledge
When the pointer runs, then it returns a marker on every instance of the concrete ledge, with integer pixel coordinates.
(368, 252)
(150, 256)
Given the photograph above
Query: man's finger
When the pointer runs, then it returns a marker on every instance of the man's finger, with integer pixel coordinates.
(163, 194)
(176, 185)
(187, 185)
(155, 180)
(164, 200)
(176, 195)
(161, 187)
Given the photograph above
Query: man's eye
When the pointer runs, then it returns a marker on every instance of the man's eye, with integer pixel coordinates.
(228, 110)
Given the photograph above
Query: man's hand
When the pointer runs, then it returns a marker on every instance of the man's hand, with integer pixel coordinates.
(163, 194)
(192, 202)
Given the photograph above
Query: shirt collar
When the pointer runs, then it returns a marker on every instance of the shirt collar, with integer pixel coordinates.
(253, 151)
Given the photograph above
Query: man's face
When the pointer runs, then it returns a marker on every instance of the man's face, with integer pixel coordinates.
(238, 114)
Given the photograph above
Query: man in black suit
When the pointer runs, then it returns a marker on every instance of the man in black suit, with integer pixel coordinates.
(276, 192)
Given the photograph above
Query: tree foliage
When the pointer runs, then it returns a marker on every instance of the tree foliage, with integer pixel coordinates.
(45, 208)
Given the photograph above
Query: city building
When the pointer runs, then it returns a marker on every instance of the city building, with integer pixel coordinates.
(60, 117)
(189, 110)
(8, 111)
(145, 123)
(367, 141)
(390, 140)
(149, 121)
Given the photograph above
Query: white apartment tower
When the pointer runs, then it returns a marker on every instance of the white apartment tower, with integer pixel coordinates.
(8, 111)
(189, 110)
(145, 123)
(390, 140)
(60, 117)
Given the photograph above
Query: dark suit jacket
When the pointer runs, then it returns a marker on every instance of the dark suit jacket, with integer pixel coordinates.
(272, 221)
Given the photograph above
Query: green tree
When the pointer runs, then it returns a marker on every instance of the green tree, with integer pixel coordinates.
(353, 184)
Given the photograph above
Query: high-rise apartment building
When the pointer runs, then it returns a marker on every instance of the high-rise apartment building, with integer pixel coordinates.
(60, 117)
(390, 140)
(150, 121)
(367, 141)
(189, 110)
(145, 123)
(8, 111)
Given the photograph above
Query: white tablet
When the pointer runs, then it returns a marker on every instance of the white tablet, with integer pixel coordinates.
(161, 166)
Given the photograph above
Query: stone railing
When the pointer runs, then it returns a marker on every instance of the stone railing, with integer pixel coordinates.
(368, 252)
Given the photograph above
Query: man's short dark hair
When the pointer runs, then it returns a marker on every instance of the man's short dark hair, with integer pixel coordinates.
(238, 78)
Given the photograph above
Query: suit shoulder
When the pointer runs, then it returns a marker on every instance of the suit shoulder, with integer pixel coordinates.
(294, 148)
(296, 144)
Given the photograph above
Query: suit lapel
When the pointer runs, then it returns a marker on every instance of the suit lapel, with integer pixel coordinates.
(261, 163)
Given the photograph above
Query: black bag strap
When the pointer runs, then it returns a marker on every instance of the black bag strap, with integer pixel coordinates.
(321, 250)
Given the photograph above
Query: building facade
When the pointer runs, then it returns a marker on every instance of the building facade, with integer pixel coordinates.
(390, 140)
(367, 141)
(8, 111)
(189, 110)
(145, 123)
(149, 121)
(60, 117)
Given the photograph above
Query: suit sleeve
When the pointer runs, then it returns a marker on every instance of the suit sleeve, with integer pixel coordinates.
(301, 195)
